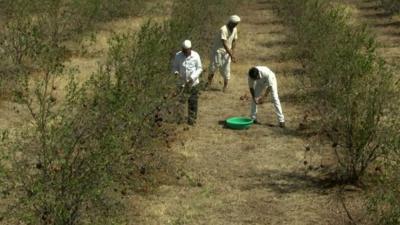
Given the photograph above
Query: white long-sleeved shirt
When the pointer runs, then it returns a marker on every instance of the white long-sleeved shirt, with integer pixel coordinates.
(189, 68)
(267, 77)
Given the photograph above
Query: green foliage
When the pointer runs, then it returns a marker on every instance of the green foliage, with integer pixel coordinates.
(202, 21)
(356, 95)
(28, 27)
(65, 166)
(385, 199)
(80, 12)
(348, 84)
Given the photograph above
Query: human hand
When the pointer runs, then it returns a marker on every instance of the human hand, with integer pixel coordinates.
(233, 58)
(258, 100)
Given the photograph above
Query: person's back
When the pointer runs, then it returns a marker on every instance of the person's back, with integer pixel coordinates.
(265, 71)
(261, 77)
(267, 77)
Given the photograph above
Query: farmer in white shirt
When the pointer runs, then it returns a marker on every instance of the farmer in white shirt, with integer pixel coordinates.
(261, 78)
(187, 65)
(223, 51)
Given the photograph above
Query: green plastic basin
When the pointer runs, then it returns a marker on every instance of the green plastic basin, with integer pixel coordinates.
(239, 123)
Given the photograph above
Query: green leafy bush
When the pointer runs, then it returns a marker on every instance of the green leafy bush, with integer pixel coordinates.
(384, 196)
(347, 83)
(27, 26)
(384, 201)
(65, 166)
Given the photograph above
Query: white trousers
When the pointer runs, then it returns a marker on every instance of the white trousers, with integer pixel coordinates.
(221, 61)
(259, 88)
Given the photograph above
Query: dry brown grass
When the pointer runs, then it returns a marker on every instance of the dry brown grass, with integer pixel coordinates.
(384, 26)
(254, 176)
(85, 59)
(258, 176)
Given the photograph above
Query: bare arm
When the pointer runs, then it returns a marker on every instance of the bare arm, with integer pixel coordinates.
(267, 91)
(256, 100)
(228, 50)
(251, 87)
(233, 45)
(252, 93)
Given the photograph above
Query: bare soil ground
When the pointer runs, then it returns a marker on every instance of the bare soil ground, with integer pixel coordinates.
(386, 29)
(85, 58)
(255, 176)
(383, 25)
(85, 61)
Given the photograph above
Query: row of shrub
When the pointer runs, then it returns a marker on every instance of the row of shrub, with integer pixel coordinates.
(24, 22)
(392, 6)
(353, 92)
(86, 11)
(347, 83)
(65, 166)
(25, 25)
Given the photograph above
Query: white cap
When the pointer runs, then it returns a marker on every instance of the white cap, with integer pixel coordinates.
(234, 19)
(187, 44)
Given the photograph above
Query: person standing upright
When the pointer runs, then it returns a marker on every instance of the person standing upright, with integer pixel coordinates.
(223, 51)
(187, 64)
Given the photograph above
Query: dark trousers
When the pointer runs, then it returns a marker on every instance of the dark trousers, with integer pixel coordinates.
(191, 96)
(193, 104)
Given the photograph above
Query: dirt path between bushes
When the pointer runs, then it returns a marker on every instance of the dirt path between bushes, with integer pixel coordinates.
(84, 60)
(255, 176)
(382, 24)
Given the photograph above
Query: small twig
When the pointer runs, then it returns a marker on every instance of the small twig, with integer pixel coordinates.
(341, 199)
(151, 113)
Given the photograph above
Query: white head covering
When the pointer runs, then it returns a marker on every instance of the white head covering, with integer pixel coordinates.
(234, 19)
(187, 44)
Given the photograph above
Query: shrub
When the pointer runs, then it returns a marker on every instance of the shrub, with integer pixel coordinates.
(384, 200)
(64, 167)
(29, 24)
(203, 21)
(349, 85)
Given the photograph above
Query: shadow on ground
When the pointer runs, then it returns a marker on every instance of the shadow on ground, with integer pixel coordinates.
(391, 24)
(378, 15)
(285, 182)
(277, 43)
(266, 22)
(392, 33)
(369, 7)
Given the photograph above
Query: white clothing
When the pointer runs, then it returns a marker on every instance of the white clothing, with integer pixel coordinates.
(220, 59)
(226, 35)
(189, 68)
(234, 19)
(268, 80)
(187, 44)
